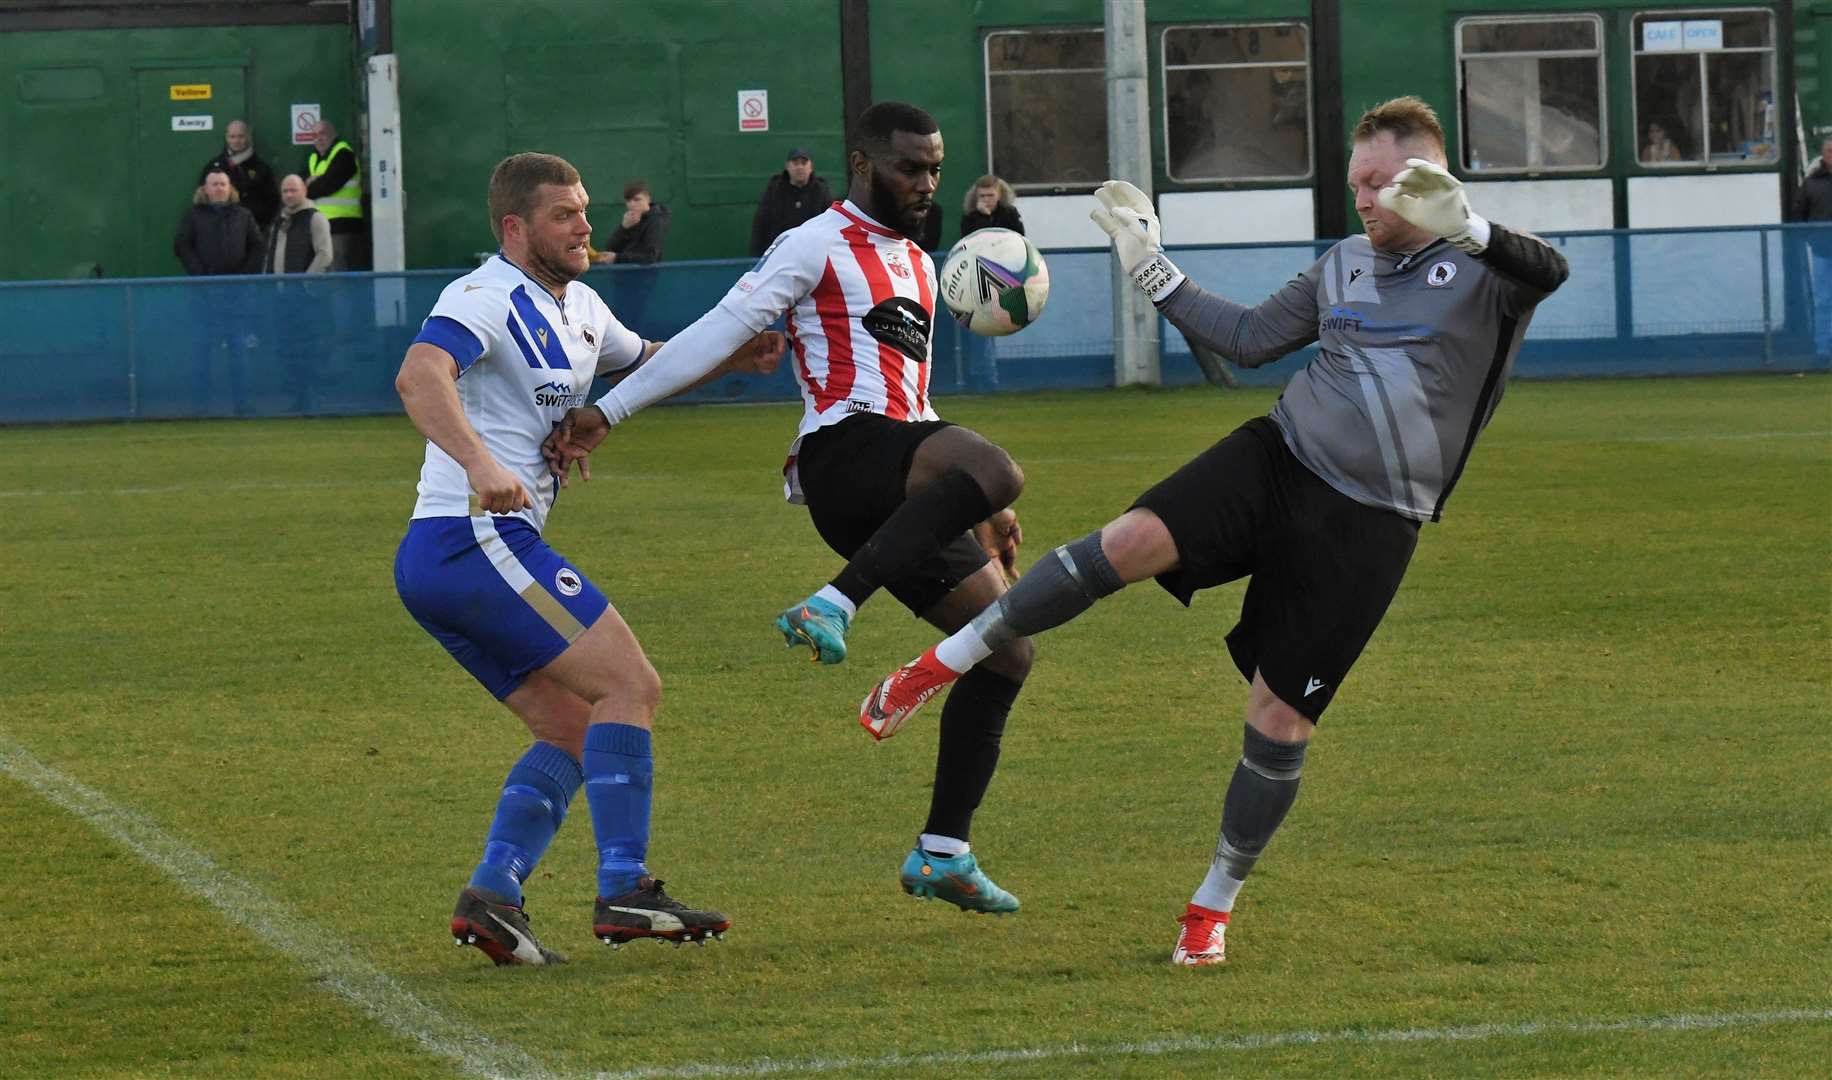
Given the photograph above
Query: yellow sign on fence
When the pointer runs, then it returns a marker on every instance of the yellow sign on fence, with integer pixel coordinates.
(190, 91)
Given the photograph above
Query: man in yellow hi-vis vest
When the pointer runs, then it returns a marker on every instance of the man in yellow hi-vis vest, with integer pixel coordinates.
(334, 181)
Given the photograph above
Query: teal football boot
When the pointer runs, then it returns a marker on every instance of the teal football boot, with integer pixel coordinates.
(817, 624)
(957, 879)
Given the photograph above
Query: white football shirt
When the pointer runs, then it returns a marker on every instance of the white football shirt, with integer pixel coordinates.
(524, 358)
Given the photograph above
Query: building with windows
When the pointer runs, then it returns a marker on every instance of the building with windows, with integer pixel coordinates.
(1561, 115)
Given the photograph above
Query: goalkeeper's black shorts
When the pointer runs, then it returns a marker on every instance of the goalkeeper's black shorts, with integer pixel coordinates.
(1323, 567)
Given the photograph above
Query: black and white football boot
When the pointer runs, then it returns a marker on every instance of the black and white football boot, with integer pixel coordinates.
(648, 912)
(490, 922)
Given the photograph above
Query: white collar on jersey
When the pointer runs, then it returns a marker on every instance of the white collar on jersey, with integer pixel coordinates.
(559, 301)
(851, 210)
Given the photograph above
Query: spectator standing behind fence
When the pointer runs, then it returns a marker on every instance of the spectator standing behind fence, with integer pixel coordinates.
(334, 183)
(298, 243)
(217, 236)
(930, 240)
(640, 237)
(791, 197)
(252, 178)
(990, 204)
(1813, 202)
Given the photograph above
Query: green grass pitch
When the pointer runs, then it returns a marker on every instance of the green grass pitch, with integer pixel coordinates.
(1570, 815)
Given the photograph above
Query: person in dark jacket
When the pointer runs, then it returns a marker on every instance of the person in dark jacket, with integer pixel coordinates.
(218, 236)
(990, 203)
(792, 196)
(640, 237)
(1813, 202)
(252, 178)
(930, 240)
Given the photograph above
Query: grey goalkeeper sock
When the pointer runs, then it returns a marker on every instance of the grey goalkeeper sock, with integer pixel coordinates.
(1062, 585)
(1265, 785)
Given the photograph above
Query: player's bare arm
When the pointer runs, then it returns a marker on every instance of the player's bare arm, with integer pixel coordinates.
(428, 385)
(581, 430)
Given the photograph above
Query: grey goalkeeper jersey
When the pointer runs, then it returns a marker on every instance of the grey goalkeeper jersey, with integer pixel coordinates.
(1413, 353)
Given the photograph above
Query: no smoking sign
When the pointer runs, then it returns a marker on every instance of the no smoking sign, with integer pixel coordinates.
(753, 110)
(305, 118)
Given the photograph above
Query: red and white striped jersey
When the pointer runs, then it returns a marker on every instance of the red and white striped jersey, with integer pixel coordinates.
(861, 305)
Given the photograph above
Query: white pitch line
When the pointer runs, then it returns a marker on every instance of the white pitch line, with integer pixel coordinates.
(331, 961)
(400, 1011)
(201, 489)
(1721, 437)
(954, 1061)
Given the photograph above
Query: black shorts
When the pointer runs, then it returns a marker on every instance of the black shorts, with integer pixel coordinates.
(852, 475)
(1324, 567)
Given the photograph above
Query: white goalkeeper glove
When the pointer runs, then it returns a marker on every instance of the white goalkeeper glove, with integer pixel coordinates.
(1126, 216)
(1433, 200)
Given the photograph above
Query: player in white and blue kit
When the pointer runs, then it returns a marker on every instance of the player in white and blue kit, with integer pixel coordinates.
(505, 352)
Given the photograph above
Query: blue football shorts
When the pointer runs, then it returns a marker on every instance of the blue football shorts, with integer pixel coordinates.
(501, 601)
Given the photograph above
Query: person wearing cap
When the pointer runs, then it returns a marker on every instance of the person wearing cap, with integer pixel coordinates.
(791, 197)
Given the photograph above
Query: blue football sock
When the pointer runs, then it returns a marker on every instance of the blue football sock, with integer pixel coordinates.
(619, 773)
(533, 804)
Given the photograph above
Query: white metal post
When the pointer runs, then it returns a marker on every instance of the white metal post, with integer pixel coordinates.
(1135, 321)
(387, 229)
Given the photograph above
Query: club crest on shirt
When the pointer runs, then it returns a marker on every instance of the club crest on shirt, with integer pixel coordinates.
(590, 338)
(902, 324)
(1440, 274)
(895, 264)
(567, 580)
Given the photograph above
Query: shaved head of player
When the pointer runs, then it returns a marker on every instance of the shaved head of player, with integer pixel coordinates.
(894, 165)
(537, 210)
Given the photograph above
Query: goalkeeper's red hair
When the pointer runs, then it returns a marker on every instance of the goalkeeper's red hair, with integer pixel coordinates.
(1405, 118)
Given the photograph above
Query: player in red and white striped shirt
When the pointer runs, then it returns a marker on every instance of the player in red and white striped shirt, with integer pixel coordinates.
(889, 486)
(860, 299)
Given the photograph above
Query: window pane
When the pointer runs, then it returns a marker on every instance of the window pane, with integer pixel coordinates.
(1238, 123)
(1739, 97)
(1744, 29)
(1049, 130)
(1233, 44)
(1526, 113)
(1547, 36)
(1055, 49)
(1667, 104)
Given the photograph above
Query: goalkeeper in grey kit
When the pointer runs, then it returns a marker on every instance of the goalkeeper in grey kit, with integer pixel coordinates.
(1320, 502)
